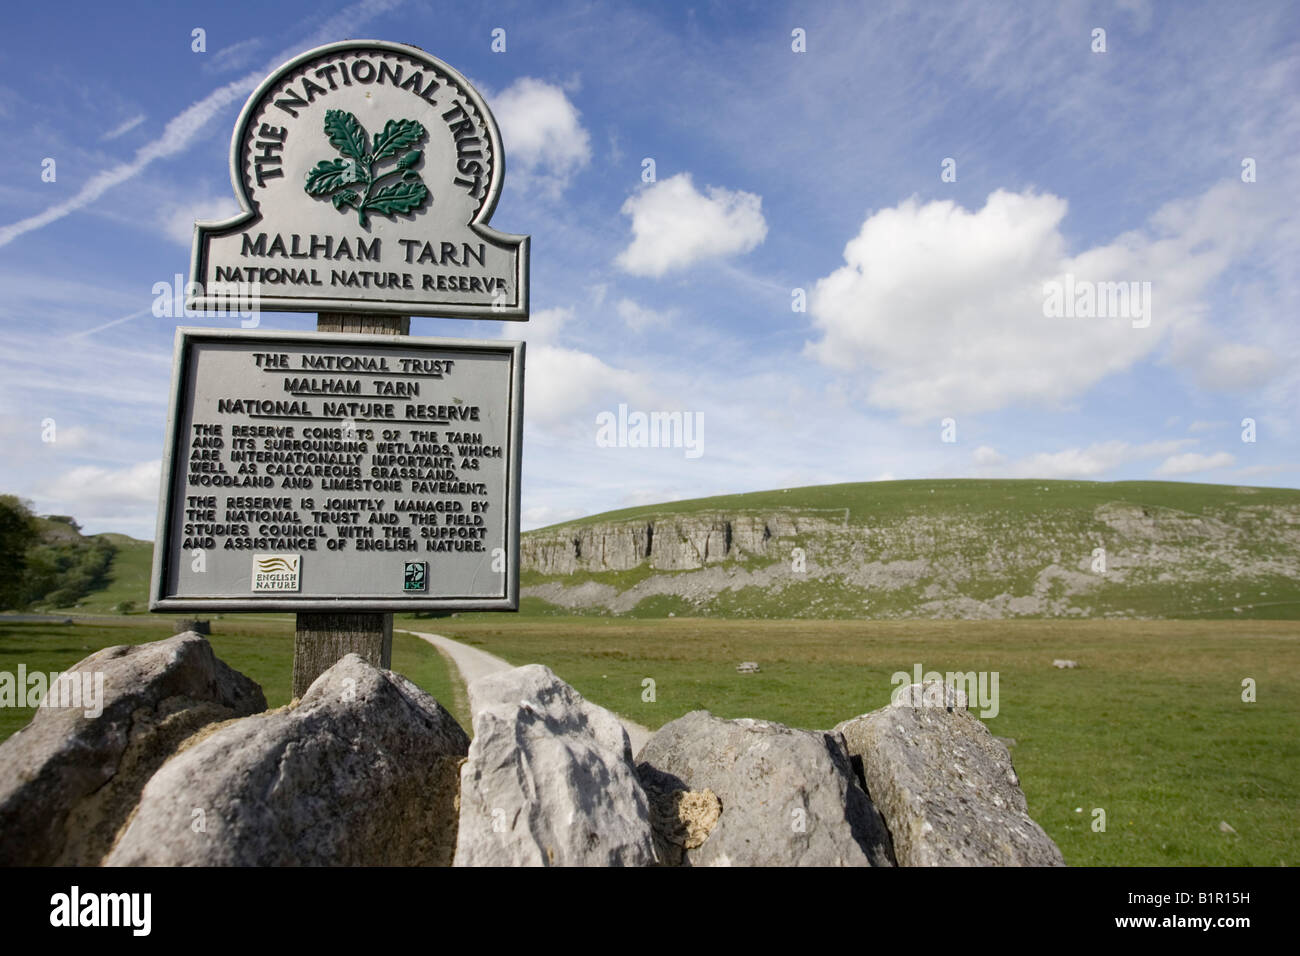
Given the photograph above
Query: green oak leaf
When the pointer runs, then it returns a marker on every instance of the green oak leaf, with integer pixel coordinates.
(398, 198)
(357, 167)
(346, 135)
(329, 174)
(346, 198)
(397, 135)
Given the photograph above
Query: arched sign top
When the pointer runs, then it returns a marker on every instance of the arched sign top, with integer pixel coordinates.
(367, 172)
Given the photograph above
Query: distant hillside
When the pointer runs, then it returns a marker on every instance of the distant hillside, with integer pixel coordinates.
(126, 586)
(98, 573)
(932, 549)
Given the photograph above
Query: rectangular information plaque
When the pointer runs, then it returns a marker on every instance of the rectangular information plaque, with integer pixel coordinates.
(310, 471)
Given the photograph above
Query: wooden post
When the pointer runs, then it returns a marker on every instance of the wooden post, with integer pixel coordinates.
(321, 639)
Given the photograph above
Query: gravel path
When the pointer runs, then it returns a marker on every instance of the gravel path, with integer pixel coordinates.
(473, 664)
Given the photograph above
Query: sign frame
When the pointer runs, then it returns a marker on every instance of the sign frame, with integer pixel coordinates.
(161, 596)
(199, 296)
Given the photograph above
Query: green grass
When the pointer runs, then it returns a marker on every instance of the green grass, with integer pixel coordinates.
(260, 649)
(870, 501)
(429, 669)
(1150, 727)
(128, 579)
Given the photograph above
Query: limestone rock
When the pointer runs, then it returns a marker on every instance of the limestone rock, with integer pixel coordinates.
(362, 771)
(944, 784)
(549, 780)
(788, 797)
(68, 781)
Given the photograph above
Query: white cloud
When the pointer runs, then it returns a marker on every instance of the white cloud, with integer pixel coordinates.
(1255, 471)
(1193, 462)
(638, 318)
(947, 305)
(1090, 462)
(1230, 366)
(542, 327)
(542, 133)
(178, 218)
(562, 385)
(675, 226)
(92, 490)
(539, 516)
(984, 455)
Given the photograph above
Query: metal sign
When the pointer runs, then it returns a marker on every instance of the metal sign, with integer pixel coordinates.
(324, 472)
(367, 172)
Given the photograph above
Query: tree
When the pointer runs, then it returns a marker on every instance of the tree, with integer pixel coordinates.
(18, 532)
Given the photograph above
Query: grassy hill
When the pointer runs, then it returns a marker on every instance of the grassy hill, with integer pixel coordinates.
(933, 549)
(904, 549)
(128, 578)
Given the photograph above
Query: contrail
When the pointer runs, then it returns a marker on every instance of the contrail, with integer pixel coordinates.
(183, 128)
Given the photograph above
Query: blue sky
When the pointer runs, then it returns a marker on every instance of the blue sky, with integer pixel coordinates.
(775, 171)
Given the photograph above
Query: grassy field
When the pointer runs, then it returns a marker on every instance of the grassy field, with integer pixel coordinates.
(262, 649)
(1150, 727)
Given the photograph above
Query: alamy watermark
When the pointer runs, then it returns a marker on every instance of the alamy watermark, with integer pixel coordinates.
(980, 688)
(233, 300)
(1084, 299)
(74, 908)
(651, 430)
(79, 690)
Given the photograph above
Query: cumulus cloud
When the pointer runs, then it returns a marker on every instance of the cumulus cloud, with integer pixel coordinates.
(544, 326)
(542, 134)
(1193, 462)
(675, 226)
(947, 306)
(984, 455)
(562, 385)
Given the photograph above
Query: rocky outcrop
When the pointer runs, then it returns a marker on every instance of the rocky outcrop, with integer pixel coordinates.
(69, 779)
(362, 771)
(549, 780)
(944, 784)
(788, 797)
(670, 543)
